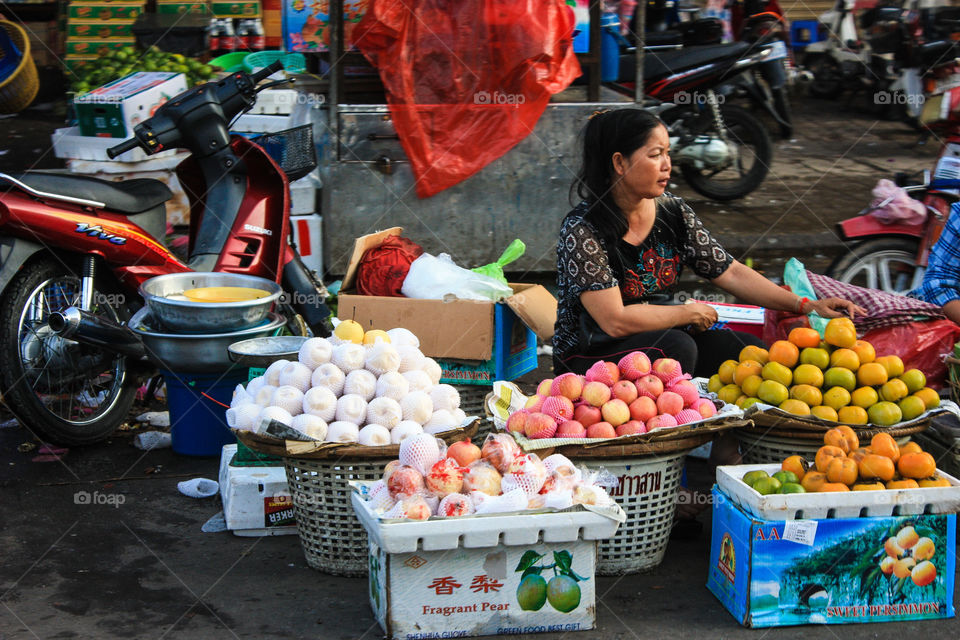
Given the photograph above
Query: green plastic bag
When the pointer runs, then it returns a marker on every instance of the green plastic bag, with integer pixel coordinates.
(795, 276)
(495, 269)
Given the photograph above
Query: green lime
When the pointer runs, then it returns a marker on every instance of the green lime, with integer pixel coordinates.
(178, 58)
(792, 487)
(786, 476)
(751, 477)
(766, 486)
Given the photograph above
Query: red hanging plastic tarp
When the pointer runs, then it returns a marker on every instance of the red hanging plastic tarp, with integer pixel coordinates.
(466, 80)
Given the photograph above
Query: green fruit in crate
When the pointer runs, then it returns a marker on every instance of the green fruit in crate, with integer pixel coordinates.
(532, 592)
(751, 477)
(786, 477)
(767, 486)
(563, 592)
(792, 487)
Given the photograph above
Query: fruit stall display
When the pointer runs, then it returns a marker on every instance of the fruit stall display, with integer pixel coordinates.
(489, 502)
(338, 413)
(118, 63)
(635, 418)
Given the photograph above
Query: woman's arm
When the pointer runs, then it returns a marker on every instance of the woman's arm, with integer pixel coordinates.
(746, 284)
(607, 309)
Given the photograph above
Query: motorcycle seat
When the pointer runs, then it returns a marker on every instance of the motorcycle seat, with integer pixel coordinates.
(128, 196)
(663, 63)
(935, 53)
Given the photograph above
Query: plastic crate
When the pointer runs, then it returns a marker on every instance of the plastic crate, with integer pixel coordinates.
(514, 354)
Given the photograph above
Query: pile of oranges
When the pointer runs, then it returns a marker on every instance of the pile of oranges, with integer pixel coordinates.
(840, 379)
(841, 464)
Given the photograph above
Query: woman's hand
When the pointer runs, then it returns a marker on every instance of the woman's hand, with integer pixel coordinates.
(833, 308)
(700, 316)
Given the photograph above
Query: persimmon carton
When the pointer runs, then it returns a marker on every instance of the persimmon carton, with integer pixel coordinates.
(770, 573)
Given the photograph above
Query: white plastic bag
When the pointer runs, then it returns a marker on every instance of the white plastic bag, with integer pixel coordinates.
(435, 277)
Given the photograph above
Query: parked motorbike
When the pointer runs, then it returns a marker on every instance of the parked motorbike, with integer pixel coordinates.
(76, 249)
(893, 257)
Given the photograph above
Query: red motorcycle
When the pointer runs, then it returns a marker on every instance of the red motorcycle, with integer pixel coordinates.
(893, 257)
(76, 243)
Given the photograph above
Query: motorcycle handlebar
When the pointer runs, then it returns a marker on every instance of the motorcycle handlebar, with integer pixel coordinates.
(123, 147)
(267, 71)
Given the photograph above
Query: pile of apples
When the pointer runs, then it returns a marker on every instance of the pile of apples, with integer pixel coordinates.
(629, 397)
(429, 479)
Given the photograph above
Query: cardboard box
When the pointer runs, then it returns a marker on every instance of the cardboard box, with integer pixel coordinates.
(97, 46)
(256, 500)
(113, 110)
(236, 9)
(98, 29)
(780, 573)
(183, 7)
(456, 329)
(104, 10)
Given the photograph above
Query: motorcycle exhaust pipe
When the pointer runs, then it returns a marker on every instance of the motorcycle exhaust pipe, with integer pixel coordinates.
(83, 326)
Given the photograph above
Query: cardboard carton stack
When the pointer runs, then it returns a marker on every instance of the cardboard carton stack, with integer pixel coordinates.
(237, 9)
(95, 27)
(183, 6)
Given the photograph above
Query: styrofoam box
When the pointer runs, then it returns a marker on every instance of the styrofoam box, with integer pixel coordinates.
(307, 232)
(276, 102)
(256, 501)
(852, 504)
(303, 196)
(263, 123)
(68, 143)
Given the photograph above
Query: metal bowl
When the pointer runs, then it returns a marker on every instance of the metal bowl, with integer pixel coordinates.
(195, 353)
(173, 312)
(262, 352)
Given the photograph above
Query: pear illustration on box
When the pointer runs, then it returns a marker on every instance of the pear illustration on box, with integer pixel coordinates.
(561, 591)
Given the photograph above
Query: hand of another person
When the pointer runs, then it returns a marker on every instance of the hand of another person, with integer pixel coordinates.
(700, 316)
(834, 308)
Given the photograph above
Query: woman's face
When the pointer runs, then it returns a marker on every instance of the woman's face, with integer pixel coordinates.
(645, 173)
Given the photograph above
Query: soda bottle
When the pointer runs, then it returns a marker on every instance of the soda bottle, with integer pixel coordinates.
(243, 35)
(228, 39)
(257, 39)
(214, 44)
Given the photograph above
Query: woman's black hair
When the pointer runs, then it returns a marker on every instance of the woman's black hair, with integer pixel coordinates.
(619, 130)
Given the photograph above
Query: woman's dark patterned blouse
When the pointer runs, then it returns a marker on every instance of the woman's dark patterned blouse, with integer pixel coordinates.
(584, 263)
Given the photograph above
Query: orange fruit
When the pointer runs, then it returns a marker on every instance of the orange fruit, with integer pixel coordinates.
(840, 332)
(813, 481)
(885, 413)
(714, 384)
(874, 467)
(933, 482)
(796, 465)
(903, 567)
(845, 358)
(924, 573)
(804, 337)
(825, 454)
(777, 372)
(729, 393)
(893, 365)
(796, 407)
(726, 371)
(842, 470)
(924, 549)
(824, 413)
(864, 351)
(911, 447)
(833, 487)
(745, 369)
(843, 437)
(750, 385)
(911, 407)
(836, 397)
(852, 414)
(914, 379)
(772, 392)
(893, 549)
(868, 486)
(808, 374)
(807, 393)
(908, 483)
(840, 377)
(917, 465)
(864, 397)
(871, 374)
(893, 390)
(785, 353)
(859, 454)
(883, 444)
(886, 565)
(753, 352)
(907, 537)
(820, 358)
(930, 397)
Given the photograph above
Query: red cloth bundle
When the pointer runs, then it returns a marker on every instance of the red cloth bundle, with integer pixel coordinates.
(381, 271)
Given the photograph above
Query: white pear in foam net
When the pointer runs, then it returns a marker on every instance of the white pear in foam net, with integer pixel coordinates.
(296, 374)
(459, 417)
(254, 385)
(380, 499)
(315, 352)
(445, 396)
(348, 356)
(418, 380)
(342, 432)
(392, 385)
(330, 377)
(433, 370)
(381, 358)
(400, 335)
(243, 416)
(240, 396)
(310, 425)
(403, 430)
(272, 374)
(275, 413)
(351, 408)
(288, 398)
(441, 420)
(411, 358)
(421, 452)
(417, 406)
(385, 411)
(362, 383)
(374, 435)
(321, 402)
(264, 395)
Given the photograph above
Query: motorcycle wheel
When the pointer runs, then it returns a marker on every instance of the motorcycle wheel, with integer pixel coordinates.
(827, 77)
(882, 263)
(750, 137)
(65, 392)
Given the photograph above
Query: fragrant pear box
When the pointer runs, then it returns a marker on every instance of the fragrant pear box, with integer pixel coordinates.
(831, 571)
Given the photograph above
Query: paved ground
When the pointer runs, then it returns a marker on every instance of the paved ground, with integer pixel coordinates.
(138, 565)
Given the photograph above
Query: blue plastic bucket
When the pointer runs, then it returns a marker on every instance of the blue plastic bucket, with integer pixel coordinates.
(198, 425)
(609, 47)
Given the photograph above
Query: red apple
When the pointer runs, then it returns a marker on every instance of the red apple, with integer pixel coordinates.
(587, 414)
(631, 427)
(601, 430)
(643, 408)
(624, 390)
